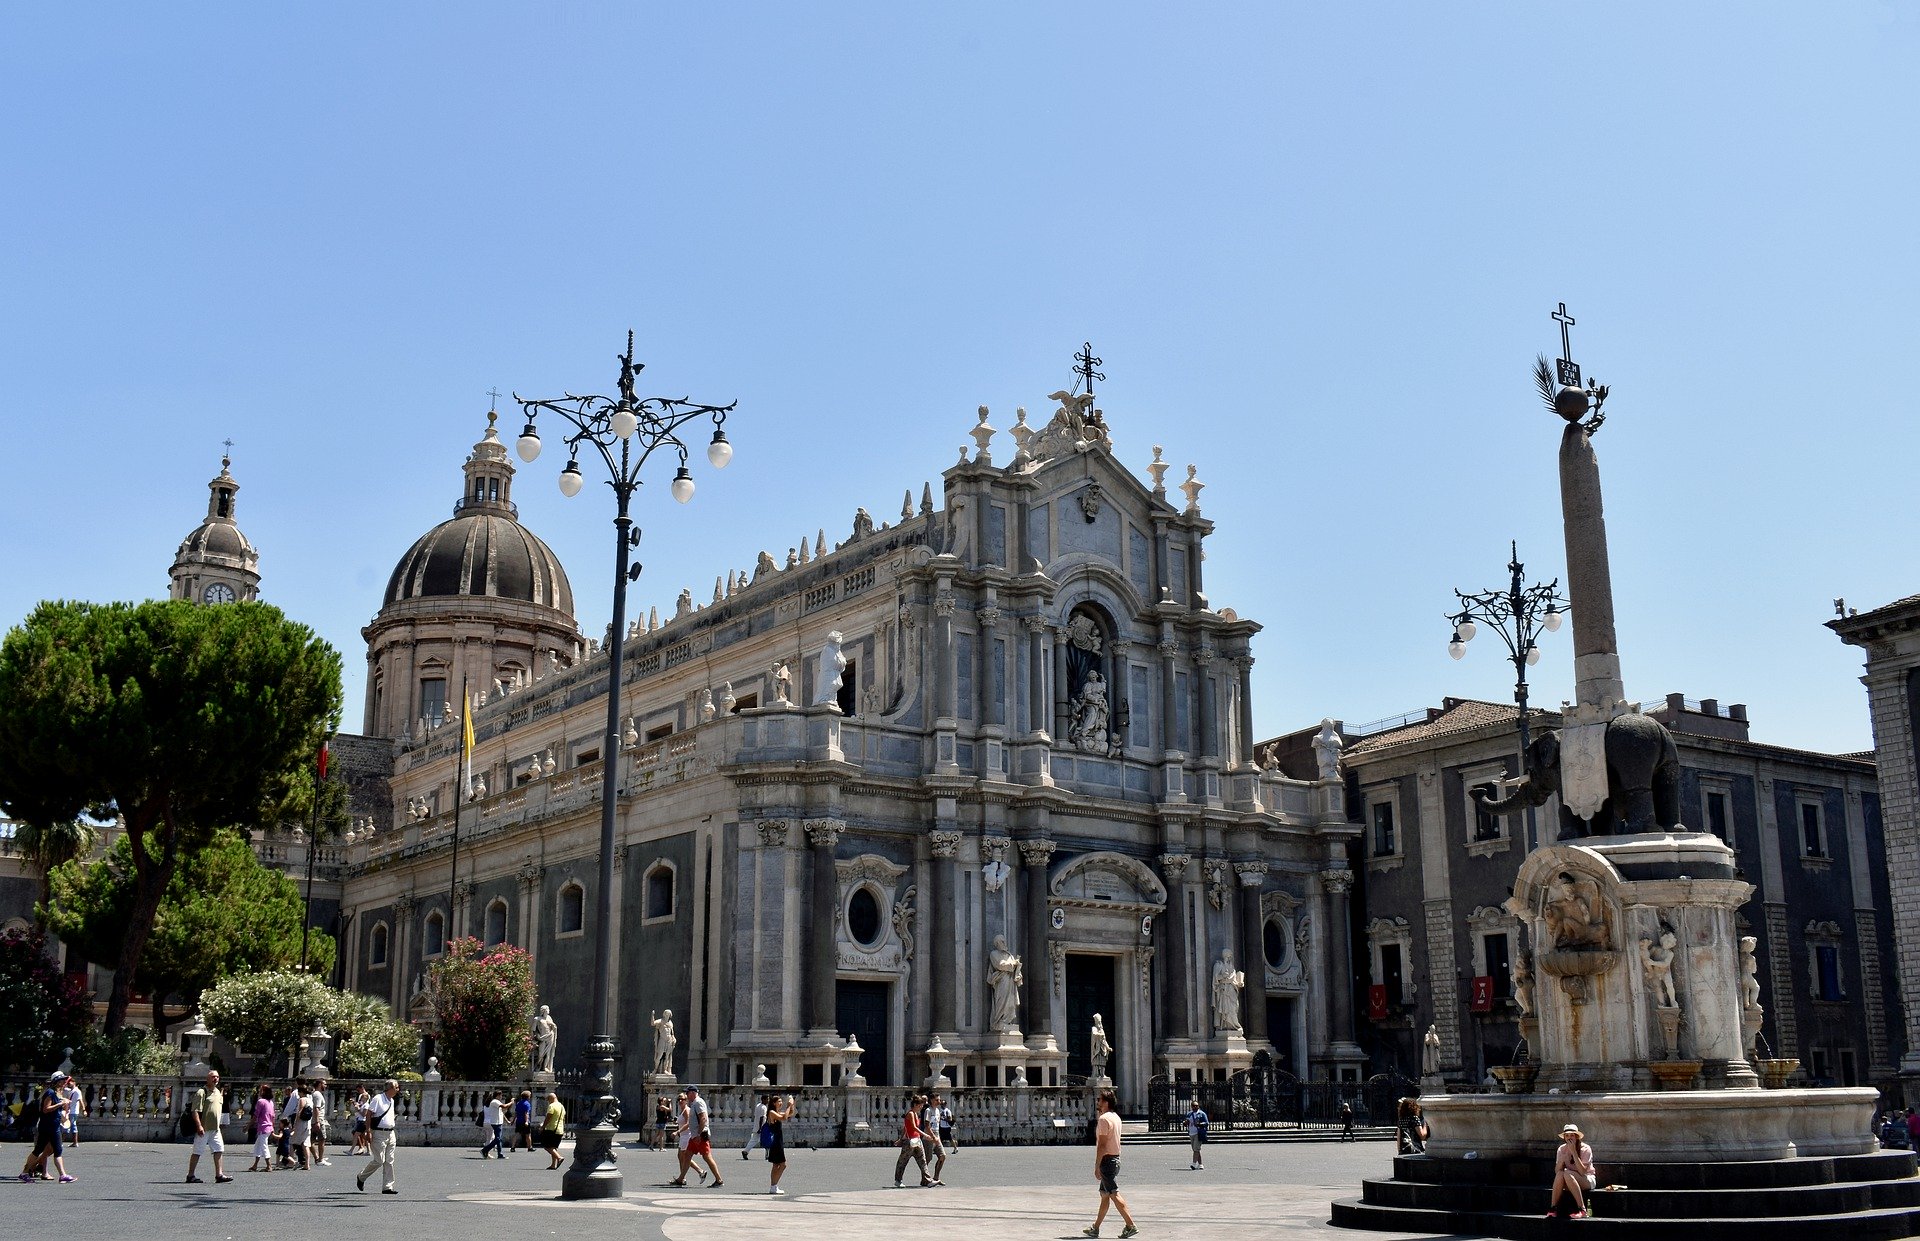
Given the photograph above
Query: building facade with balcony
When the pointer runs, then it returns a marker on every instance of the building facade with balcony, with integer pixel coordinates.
(950, 787)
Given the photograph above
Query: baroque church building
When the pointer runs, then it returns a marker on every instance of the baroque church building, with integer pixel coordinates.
(951, 787)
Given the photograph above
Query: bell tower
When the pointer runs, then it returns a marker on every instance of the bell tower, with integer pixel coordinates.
(216, 563)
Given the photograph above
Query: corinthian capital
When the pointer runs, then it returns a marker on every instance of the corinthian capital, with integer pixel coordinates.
(1337, 882)
(1252, 874)
(1037, 852)
(943, 605)
(945, 844)
(1174, 866)
(773, 833)
(824, 833)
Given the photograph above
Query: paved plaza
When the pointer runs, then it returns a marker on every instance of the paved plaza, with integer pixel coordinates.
(1249, 1192)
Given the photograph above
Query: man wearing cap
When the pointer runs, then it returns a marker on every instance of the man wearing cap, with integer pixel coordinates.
(1572, 1172)
(206, 1107)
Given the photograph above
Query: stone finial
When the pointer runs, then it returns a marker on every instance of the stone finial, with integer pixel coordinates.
(1193, 487)
(820, 543)
(653, 619)
(718, 593)
(926, 499)
(683, 606)
(1022, 435)
(1158, 469)
(963, 455)
(906, 506)
(983, 436)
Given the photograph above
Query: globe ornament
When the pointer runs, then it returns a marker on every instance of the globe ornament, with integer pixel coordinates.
(1571, 403)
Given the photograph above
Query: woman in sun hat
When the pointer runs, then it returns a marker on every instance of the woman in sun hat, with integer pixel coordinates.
(1572, 1172)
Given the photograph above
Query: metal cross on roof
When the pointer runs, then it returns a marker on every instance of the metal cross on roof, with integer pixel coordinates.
(1086, 362)
(493, 399)
(1569, 369)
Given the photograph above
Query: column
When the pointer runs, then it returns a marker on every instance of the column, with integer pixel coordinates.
(946, 664)
(1036, 627)
(995, 678)
(1061, 683)
(529, 875)
(1175, 866)
(822, 1002)
(1038, 856)
(1243, 680)
(941, 950)
(397, 946)
(1209, 705)
(1253, 948)
(1338, 885)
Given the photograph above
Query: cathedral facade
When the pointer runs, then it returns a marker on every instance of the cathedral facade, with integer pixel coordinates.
(949, 788)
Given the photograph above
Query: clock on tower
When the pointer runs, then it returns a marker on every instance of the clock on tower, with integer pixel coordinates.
(219, 592)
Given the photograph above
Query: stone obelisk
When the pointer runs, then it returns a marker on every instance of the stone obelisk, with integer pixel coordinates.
(1598, 694)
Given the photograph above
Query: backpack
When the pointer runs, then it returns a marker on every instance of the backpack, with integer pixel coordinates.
(185, 1125)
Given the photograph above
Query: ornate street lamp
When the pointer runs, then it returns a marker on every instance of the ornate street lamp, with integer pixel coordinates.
(1519, 614)
(625, 431)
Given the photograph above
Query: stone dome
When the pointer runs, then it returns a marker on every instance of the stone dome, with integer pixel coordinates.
(481, 552)
(217, 538)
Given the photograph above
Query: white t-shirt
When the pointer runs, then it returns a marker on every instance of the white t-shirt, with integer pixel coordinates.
(494, 1114)
(380, 1113)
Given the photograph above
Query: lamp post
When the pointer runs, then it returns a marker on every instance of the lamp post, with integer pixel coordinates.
(625, 431)
(1518, 614)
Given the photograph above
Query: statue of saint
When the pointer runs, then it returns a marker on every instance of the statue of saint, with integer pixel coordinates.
(1749, 974)
(1100, 1048)
(546, 1035)
(832, 665)
(1227, 982)
(663, 1040)
(1004, 980)
(1326, 750)
(1089, 730)
(782, 682)
(1657, 960)
(1430, 1052)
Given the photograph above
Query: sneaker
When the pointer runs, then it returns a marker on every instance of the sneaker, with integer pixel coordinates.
(28, 1178)
(221, 1180)
(1578, 1215)
(1129, 1231)
(360, 1183)
(1193, 1167)
(389, 1191)
(1092, 1230)
(776, 1190)
(326, 1163)
(896, 1184)
(66, 1180)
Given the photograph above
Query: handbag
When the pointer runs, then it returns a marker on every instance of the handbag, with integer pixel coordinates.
(766, 1136)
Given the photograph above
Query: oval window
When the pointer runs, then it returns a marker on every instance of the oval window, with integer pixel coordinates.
(863, 918)
(1275, 943)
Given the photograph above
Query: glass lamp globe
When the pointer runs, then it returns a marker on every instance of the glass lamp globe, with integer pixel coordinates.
(623, 422)
(1553, 618)
(1465, 630)
(719, 452)
(1533, 656)
(570, 479)
(683, 485)
(1457, 648)
(528, 445)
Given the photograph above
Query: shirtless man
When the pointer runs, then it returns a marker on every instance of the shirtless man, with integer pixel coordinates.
(1106, 1164)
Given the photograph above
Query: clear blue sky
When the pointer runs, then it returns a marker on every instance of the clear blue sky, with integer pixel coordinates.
(1316, 245)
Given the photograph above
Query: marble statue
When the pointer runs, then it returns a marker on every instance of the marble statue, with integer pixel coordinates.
(1522, 974)
(1749, 974)
(546, 1036)
(1326, 750)
(1657, 960)
(764, 565)
(727, 700)
(446, 712)
(862, 524)
(832, 665)
(1430, 1052)
(1004, 980)
(1576, 914)
(707, 709)
(683, 604)
(663, 1041)
(1227, 982)
(782, 682)
(1100, 1048)
(1089, 727)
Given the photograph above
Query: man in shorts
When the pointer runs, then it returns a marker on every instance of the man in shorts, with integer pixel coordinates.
(1106, 1164)
(206, 1107)
(700, 1135)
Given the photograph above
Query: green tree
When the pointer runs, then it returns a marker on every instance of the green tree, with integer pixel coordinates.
(177, 717)
(46, 846)
(41, 1009)
(223, 913)
(372, 1043)
(483, 997)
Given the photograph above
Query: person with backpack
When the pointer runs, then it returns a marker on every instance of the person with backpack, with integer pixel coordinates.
(201, 1120)
(300, 1138)
(758, 1127)
(1196, 1133)
(930, 1133)
(383, 1124)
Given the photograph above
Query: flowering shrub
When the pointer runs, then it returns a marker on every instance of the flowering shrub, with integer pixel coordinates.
(42, 1010)
(372, 1043)
(484, 997)
(267, 1012)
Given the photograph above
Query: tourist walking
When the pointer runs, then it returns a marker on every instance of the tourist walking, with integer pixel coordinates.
(206, 1107)
(289, 1112)
(662, 1122)
(263, 1118)
(1106, 1164)
(362, 1143)
(317, 1097)
(1196, 1133)
(381, 1126)
(912, 1146)
(523, 1120)
(759, 1126)
(946, 1125)
(1572, 1173)
(683, 1137)
(494, 1117)
(780, 1112)
(700, 1135)
(553, 1127)
(48, 1126)
(1346, 1120)
(76, 1108)
(930, 1134)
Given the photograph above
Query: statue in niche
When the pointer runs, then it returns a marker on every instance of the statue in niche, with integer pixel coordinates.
(1326, 750)
(1657, 960)
(546, 1036)
(1089, 709)
(1522, 975)
(1099, 1048)
(1004, 980)
(1430, 1052)
(1227, 982)
(1576, 914)
(1749, 974)
(663, 1041)
(832, 665)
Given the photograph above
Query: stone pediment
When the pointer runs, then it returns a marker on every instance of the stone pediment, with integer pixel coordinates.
(1110, 881)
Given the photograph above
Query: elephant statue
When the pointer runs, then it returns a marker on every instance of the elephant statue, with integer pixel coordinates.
(1643, 781)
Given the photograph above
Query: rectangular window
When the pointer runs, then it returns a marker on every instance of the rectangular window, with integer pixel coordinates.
(1499, 964)
(433, 697)
(1828, 957)
(1849, 1068)
(1812, 843)
(1391, 972)
(1717, 815)
(1384, 841)
(849, 696)
(746, 702)
(660, 731)
(1486, 826)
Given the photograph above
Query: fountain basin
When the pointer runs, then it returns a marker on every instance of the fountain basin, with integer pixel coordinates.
(1653, 1127)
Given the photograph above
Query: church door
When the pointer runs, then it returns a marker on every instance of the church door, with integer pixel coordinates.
(1280, 1030)
(861, 1010)
(1090, 990)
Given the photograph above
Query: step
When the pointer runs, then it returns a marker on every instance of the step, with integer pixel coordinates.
(1376, 1133)
(1630, 1203)
(1872, 1225)
(1751, 1174)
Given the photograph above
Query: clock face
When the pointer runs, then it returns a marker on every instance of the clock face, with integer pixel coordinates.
(219, 592)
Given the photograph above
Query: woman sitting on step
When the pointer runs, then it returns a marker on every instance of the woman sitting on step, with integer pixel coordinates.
(1572, 1172)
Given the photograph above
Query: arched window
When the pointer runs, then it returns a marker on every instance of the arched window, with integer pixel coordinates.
(496, 922)
(433, 937)
(572, 917)
(377, 947)
(863, 917)
(659, 893)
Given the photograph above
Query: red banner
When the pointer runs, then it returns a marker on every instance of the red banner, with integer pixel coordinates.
(1482, 999)
(1377, 1002)
(323, 760)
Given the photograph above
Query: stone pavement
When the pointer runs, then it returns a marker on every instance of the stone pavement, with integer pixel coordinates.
(1249, 1192)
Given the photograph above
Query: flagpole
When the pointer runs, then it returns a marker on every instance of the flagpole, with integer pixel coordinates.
(459, 796)
(313, 842)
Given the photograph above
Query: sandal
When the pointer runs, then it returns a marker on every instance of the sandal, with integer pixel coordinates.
(678, 1184)
(717, 1183)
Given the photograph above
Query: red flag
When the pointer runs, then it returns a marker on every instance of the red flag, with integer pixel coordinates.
(1482, 1000)
(323, 760)
(1377, 1002)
